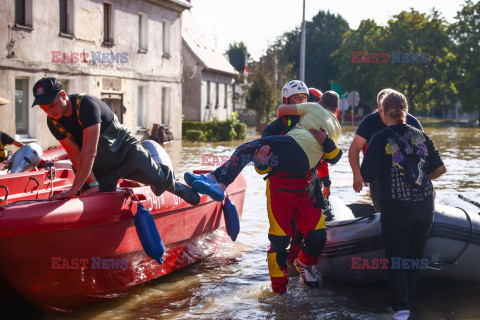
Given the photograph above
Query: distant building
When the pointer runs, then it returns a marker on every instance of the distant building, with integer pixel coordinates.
(127, 52)
(208, 76)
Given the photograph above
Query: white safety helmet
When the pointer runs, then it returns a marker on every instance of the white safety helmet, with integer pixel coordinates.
(294, 87)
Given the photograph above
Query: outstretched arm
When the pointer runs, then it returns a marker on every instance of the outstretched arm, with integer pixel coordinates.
(287, 109)
(354, 159)
(82, 159)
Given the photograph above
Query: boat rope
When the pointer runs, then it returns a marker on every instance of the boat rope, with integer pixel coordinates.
(370, 216)
(454, 261)
(475, 203)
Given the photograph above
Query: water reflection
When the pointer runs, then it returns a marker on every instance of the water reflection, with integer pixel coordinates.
(234, 282)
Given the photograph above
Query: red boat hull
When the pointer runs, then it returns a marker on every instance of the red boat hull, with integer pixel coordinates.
(69, 254)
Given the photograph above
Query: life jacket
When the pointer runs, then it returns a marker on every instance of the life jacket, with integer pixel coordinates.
(60, 128)
(3, 152)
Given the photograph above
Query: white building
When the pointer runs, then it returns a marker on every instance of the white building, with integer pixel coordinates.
(208, 76)
(128, 52)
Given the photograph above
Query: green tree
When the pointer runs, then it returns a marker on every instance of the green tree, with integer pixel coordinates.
(261, 95)
(412, 54)
(421, 57)
(323, 37)
(355, 74)
(466, 34)
(237, 52)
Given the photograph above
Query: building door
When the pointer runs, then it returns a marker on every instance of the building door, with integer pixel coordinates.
(114, 101)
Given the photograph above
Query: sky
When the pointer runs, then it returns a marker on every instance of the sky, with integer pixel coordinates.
(259, 22)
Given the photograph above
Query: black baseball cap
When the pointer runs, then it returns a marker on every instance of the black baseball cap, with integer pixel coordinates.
(45, 91)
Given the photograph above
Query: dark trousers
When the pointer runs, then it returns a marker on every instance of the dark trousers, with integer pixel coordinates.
(405, 242)
(288, 157)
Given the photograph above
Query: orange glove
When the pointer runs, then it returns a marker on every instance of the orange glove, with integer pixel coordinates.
(326, 192)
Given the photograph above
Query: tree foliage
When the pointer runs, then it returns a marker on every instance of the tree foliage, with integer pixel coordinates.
(323, 37)
(261, 95)
(466, 34)
(237, 52)
(419, 54)
(412, 54)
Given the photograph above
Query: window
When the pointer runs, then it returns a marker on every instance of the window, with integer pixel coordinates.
(217, 95)
(21, 107)
(142, 32)
(166, 38)
(23, 13)
(208, 95)
(107, 23)
(166, 106)
(63, 17)
(142, 108)
(225, 102)
(66, 17)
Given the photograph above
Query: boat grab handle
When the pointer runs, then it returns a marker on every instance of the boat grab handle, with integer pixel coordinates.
(454, 261)
(369, 217)
(6, 194)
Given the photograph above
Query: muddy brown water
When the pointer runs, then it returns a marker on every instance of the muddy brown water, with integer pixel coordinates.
(234, 282)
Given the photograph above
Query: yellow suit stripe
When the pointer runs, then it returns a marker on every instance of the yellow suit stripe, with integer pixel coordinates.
(274, 227)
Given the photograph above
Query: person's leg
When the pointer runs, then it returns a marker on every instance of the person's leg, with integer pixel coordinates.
(311, 222)
(280, 213)
(397, 243)
(140, 166)
(419, 238)
(288, 156)
(295, 243)
(277, 262)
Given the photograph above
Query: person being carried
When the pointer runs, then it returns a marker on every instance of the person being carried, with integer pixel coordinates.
(370, 125)
(292, 213)
(294, 153)
(404, 160)
(6, 139)
(101, 149)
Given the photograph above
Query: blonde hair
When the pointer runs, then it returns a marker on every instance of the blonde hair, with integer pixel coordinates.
(382, 94)
(396, 106)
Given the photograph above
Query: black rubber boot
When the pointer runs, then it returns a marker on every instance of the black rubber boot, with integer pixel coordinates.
(186, 193)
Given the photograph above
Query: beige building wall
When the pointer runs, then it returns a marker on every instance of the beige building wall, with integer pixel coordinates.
(216, 104)
(32, 53)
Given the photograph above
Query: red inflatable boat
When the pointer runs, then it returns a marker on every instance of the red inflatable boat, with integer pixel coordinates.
(65, 255)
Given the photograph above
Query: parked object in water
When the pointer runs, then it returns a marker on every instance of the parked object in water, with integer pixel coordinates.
(354, 252)
(65, 255)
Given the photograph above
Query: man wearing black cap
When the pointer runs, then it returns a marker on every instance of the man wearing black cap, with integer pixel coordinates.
(101, 149)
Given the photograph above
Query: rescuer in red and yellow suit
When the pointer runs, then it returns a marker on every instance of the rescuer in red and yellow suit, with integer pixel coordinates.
(289, 201)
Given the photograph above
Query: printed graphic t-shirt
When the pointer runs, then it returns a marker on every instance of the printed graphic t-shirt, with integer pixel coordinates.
(384, 161)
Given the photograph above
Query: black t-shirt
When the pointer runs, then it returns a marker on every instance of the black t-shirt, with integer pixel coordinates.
(373, 123)
(5, 138)
(401, 203)
(92, 111)
(280, 126)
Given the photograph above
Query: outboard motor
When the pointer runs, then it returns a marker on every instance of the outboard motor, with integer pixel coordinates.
(26, 158)
(158, 154)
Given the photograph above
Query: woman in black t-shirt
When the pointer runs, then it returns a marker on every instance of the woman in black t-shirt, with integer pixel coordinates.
(404, 160)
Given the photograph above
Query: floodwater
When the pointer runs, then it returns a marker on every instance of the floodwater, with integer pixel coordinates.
(234, 282)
